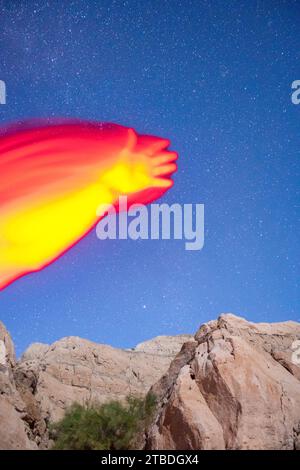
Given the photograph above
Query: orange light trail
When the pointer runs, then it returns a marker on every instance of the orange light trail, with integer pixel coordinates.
(54, 177)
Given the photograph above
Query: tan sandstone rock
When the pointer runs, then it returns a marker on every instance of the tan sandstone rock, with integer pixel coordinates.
(236, 389)
(51, 378)
(235, 385)
(14, 429)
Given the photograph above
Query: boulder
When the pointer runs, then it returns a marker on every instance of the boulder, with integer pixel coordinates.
(237, 388)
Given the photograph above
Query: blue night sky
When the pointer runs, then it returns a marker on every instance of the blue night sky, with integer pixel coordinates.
(214, 77)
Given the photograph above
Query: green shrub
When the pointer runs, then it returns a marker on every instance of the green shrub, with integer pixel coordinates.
(110, 426)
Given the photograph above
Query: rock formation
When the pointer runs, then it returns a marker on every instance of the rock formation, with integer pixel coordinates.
(15, 431)
(37, 389)
(234, 387)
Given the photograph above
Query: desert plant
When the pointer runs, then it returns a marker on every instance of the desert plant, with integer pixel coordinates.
(113, 425)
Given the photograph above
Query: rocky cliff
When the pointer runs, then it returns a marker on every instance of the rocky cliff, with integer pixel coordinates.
(235, 385)
(37, 389)
(14, 428)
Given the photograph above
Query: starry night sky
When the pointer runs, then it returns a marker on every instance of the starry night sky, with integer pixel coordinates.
(214, 77)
